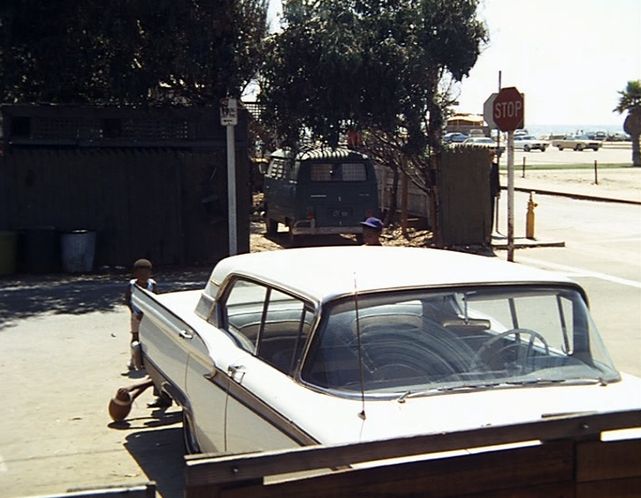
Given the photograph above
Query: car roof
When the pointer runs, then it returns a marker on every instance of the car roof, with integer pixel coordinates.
(323, 273)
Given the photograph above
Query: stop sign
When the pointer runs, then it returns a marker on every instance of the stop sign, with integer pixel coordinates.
(508, 109)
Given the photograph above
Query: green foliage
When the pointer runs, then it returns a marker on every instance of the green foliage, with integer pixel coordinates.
(368, 64)
(630, 99)
(122, 51)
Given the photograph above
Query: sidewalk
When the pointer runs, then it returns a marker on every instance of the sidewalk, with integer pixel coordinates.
(621, 185)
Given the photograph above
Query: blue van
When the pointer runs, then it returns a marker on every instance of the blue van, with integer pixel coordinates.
(319, 191)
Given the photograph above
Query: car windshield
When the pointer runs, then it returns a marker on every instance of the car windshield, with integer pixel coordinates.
(404, 343)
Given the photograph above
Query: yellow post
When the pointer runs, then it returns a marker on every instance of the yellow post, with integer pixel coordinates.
(529, 219)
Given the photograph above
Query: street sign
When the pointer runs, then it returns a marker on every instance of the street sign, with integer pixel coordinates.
(228, 111)
(488, 111)
(508, 109)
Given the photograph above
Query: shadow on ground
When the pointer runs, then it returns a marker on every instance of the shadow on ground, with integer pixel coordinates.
(24, 296)
(159, 453)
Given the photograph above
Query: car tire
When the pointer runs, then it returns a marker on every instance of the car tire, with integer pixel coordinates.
(579, 148)
(595, 149)
(526, 148)
(189, 439)
(543, 147)
(271, 226)
(560, 148)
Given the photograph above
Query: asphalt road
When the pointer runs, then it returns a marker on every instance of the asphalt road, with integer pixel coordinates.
(602, 252)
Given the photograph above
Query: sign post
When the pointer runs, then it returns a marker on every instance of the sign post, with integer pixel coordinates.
(508, 113)
(229, 119)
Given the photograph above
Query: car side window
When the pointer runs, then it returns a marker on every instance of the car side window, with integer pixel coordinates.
(286, 326)
(269, 323)
(243, 311)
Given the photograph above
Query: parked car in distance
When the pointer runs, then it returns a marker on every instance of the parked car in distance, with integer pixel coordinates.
(529, 142)
(333, 345)
(454, 137)
(579, 143)
(485, 142)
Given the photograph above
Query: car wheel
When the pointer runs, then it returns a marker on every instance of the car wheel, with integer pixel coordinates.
(189, 439)
(271, 226)
(595, 149)
(578, 147)
(560, 148)
(526, 148)
(543, 147)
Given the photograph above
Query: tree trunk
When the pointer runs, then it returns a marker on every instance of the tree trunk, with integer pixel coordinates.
(636, 152)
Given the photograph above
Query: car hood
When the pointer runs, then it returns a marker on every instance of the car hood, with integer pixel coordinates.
(338, 421)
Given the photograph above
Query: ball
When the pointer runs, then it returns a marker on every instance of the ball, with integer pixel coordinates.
(120, 405)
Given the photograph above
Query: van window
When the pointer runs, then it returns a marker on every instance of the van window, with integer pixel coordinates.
(335, 172)
(276, 169)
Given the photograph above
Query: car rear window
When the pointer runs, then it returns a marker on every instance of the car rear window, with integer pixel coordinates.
(338, 172)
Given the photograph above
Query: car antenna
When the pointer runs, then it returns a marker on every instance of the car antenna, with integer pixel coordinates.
(360, 352)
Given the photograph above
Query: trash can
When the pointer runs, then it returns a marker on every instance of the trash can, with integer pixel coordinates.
(8, 251)
(39, 250)
(78, 248)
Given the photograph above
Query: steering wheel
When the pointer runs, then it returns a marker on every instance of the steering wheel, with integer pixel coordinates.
(523, 355)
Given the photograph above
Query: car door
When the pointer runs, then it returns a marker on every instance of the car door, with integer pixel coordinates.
(207, 396)
(272, 334)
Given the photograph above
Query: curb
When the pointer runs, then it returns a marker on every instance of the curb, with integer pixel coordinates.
(583, 197)
(500, 242)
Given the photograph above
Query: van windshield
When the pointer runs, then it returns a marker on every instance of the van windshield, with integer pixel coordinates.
(338, 172)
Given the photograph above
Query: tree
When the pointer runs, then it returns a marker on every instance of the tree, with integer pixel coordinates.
(372, 65)
(147, 51)
(630, 101)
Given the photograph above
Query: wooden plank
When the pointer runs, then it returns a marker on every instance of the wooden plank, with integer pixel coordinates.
(146, 490)
(508, 472)
(615, 488)
(598, 461)
(204, 469)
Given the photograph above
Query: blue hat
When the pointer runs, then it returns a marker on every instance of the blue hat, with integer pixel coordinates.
(373, 223)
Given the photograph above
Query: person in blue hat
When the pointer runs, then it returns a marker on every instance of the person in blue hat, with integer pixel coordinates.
(372, 229)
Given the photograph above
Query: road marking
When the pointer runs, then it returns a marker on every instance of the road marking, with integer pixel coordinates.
(581, 272)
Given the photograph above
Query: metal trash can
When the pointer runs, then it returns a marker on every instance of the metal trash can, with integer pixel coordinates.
(78, 248)
(8, 252)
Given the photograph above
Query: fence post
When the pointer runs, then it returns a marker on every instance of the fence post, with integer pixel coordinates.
(523, 170)
(596, 176)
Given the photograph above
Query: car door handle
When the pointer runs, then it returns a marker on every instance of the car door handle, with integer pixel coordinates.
(185, 335)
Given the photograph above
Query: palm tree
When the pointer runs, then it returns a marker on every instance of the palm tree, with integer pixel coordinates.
(631, 101)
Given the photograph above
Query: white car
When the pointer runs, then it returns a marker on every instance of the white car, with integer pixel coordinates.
(486, 142)
(346, 344)
(529, 142)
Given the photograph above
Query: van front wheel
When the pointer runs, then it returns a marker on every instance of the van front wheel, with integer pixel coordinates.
(272, 226)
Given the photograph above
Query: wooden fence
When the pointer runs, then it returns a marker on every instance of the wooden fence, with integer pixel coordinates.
(162, 196)
(560, 457)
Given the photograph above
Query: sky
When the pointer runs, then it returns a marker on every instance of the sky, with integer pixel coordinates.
(568, 57)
